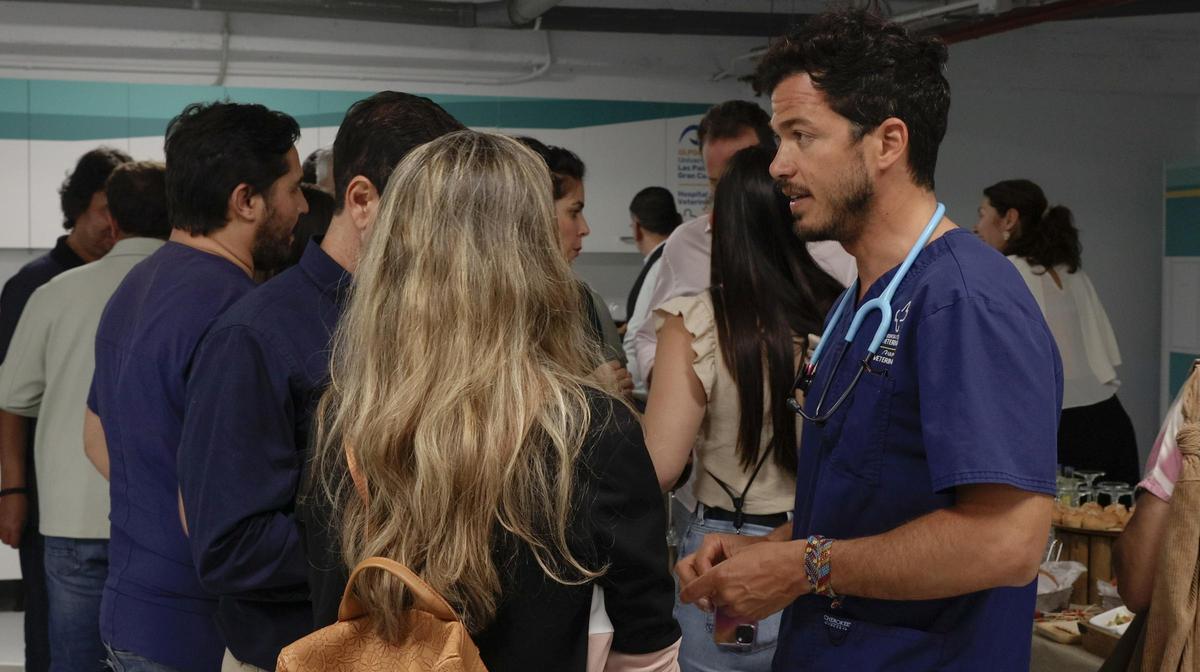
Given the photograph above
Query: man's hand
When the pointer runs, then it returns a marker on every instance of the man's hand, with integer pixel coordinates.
(759, 579)
(14, 510)
(714, 549)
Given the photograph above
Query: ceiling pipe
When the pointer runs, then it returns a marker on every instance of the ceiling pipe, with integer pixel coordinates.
(1021, 18)
(936, 12)
(511, 13)
(223, 69)
(492, 14)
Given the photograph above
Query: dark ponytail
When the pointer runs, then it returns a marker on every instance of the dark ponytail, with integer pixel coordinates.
(1045, 237)
(767, 293)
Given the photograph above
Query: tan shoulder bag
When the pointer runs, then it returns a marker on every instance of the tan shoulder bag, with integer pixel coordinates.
(434, 638)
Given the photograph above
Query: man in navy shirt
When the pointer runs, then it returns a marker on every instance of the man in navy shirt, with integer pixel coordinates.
(89, 237)
(923, 499)
(257, 377)
(233, 197)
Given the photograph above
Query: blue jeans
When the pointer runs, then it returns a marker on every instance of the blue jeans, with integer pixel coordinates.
(124, 661)
(698, 652)
(75, 573)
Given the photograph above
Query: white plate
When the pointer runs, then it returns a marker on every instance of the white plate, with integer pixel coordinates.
(1104, 621)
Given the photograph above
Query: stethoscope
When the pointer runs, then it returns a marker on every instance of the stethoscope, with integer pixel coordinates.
(882, 303)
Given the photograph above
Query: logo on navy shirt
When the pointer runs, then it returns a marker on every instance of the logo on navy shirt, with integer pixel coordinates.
(887, 349)
(837, 623)
(837, 629)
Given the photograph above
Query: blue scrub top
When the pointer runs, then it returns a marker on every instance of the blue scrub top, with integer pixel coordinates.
(965, 389)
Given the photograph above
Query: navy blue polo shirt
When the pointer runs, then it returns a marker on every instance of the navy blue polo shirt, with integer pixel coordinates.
(258, 375)
(966, 389)
(13, 298)
(25, 282)
(153, 603)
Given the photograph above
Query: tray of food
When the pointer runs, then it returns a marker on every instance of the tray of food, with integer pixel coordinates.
(1091, 518)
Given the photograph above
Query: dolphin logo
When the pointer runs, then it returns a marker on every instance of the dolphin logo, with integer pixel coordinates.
(692, 134)
(900, 317)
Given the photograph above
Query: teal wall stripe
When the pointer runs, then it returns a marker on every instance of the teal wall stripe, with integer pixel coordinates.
(62, 110)
(1182, 176)
(163, 101)
(77, 127)
(1182, 227)
(14, 96)
(1179, 366)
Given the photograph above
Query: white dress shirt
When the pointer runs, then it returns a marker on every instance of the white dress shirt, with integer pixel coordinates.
(1081, 330)
(641, 311)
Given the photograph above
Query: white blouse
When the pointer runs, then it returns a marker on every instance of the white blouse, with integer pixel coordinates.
(1081, 328)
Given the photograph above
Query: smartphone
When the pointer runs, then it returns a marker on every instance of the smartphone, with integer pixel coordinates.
(732, 633)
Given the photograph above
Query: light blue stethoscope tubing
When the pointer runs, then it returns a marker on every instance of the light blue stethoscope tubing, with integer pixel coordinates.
(882, 303)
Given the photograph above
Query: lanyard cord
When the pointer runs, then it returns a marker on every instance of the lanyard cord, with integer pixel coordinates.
(739, 516)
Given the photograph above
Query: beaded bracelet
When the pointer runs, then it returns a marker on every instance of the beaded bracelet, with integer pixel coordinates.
(817, 553)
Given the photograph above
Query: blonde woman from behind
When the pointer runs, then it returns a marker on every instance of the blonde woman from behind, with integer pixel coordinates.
(491, 464)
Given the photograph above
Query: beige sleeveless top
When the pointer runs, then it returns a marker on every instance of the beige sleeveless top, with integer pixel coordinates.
(774, 490)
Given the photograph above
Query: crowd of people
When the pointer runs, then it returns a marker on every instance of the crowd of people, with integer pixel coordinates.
(250, 374)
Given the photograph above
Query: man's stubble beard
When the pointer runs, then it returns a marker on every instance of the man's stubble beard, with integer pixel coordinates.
(848, 210)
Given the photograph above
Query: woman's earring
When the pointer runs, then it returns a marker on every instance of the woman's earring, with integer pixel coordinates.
(1006, 235)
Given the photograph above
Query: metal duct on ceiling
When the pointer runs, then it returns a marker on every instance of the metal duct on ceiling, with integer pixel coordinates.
(494, 14)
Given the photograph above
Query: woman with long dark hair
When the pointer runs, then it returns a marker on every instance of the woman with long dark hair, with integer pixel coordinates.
(724, 370)
(1095, 433)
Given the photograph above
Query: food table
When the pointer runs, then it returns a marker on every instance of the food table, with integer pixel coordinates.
(1092, 549)
(1080, 530)
(1048, 656)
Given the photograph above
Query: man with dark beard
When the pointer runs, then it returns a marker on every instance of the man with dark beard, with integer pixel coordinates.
(923, 497)
(233, 196)
(258, 375)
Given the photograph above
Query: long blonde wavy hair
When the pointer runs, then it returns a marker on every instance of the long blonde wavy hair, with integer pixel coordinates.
(459, 380)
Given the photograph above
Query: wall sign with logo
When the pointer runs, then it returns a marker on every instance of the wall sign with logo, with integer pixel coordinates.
(687, 177)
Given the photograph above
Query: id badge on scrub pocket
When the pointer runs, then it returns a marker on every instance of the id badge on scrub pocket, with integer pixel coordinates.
(732, 633)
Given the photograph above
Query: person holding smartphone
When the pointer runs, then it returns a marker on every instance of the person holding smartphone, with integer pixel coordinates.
(724, 367)
(923, 495)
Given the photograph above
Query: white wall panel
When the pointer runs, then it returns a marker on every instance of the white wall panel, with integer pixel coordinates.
(14, 193)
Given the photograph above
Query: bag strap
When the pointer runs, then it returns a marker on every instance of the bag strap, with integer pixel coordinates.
(424, 596)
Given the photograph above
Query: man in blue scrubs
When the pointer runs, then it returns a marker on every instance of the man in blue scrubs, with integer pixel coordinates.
(923, 501)
(233, 198)
(256, 380)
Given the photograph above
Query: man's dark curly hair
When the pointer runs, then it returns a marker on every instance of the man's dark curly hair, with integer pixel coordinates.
(870, 70)
(90, 174)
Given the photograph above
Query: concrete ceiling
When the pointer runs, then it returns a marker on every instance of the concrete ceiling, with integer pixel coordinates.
(745, 18)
